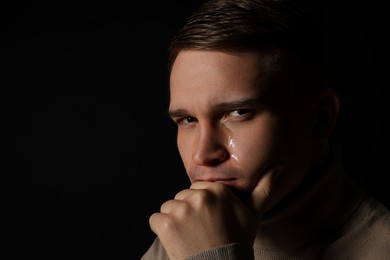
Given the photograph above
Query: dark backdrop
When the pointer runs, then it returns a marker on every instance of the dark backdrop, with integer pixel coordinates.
(90, 152)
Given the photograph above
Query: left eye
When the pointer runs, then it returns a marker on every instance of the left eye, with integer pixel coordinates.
(239, 112)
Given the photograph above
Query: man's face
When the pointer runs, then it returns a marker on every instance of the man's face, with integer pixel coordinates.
(229, 130)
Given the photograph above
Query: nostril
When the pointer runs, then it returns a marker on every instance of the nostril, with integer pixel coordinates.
(214, 162)
(209, 148)
(211, 157)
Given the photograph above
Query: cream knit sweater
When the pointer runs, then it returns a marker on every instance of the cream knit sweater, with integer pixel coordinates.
(326, 217)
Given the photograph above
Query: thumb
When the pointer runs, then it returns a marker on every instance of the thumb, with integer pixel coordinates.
(261, 194)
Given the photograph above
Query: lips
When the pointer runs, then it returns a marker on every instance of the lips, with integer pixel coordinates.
(224, 175)
(230, 182)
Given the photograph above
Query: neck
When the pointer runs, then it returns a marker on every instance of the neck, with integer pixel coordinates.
(321, 153)
(319, 202)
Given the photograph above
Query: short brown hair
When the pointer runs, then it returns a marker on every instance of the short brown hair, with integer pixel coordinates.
(272, 27)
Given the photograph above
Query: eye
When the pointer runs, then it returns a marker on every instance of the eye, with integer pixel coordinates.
(239, 115)
(189, 119)
(186, 120)
(239, 112)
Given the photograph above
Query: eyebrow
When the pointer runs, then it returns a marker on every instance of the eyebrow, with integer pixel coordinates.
(229, 105)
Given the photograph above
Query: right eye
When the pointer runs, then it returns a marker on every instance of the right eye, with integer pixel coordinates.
(186, 120)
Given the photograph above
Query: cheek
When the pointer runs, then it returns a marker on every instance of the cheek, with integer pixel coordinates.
(184, 146)
(252, 146)
(253, 149)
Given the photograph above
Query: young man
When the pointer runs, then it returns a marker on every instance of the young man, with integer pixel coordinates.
(255, 114)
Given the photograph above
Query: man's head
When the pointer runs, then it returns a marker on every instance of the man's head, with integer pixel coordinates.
(247, 93)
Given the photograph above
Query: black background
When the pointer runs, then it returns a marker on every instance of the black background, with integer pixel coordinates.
(90, 152)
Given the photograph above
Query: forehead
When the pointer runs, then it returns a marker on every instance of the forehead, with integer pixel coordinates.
(205, 61)
(216, 74)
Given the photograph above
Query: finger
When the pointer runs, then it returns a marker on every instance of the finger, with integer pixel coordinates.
(213, 190)
(261, 193)
(198, 185)
(201, 185)
(182, 195)
(155, 221)
(170, 205)
(214, 187)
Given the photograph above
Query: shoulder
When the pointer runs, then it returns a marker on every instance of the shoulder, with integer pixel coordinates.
(372, 219)
(366, 234)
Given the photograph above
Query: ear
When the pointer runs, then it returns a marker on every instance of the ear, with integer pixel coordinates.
(327, 111)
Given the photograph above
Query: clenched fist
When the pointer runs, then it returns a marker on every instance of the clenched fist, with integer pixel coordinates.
(207, 215)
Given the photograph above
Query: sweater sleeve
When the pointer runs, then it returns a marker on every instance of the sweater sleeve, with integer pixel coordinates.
(232, 251)
(155, 252)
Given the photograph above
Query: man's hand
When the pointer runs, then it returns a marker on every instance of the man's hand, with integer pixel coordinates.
(208, 215)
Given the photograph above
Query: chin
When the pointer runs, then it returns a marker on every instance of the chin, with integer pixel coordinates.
(241, 194)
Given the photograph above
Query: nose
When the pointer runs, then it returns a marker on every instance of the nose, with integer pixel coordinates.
(210, 146)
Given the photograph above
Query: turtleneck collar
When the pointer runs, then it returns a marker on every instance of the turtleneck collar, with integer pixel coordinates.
(318, 206)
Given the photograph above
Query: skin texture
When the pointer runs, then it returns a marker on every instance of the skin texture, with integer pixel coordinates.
(237, 134)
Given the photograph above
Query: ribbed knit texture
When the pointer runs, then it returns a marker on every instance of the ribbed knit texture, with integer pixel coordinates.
(227, 252)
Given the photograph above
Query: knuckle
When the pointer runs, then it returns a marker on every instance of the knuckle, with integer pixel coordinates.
(182, 211)
(167, 224)
(201, 198)
(162, 224)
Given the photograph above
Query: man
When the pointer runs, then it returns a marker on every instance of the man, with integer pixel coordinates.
(255, 113)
